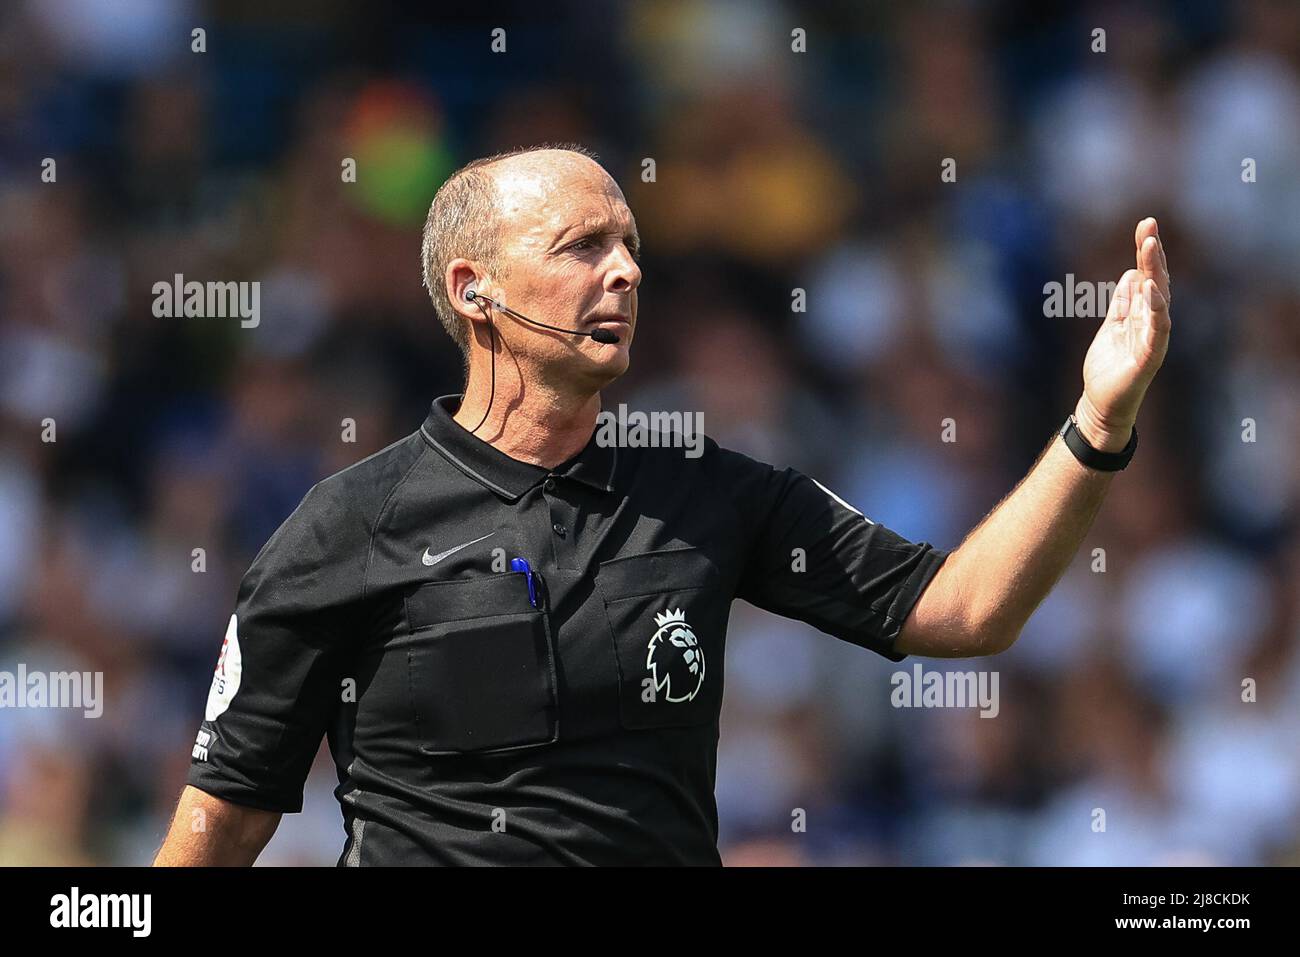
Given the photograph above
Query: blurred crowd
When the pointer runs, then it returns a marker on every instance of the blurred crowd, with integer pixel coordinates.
(774, 171)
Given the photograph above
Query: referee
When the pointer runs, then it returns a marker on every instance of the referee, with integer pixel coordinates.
(513, 631)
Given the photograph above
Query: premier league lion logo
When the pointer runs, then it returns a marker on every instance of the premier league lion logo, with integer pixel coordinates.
(674, 657)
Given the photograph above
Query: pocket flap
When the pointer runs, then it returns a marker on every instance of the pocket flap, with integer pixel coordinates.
(461, 598)
(673, 569)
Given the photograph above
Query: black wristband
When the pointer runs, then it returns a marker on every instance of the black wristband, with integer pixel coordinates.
(1095, 458)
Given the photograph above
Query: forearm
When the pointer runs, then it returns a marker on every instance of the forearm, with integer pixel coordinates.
(985, 592)
(210, 832)
(981, 598)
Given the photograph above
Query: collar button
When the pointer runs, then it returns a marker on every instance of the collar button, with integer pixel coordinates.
(559, 529)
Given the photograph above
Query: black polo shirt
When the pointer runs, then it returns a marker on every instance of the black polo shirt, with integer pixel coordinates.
(472, 721)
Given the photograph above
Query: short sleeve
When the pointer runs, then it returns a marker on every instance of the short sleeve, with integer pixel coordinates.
(816, 558)
(278, 678)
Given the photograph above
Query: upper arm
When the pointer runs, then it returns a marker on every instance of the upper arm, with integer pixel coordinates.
(211, 831)
(939, 626)
(934, 629)
(287, 646)
(816, 558)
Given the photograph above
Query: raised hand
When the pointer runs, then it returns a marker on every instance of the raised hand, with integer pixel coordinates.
(1129, 347)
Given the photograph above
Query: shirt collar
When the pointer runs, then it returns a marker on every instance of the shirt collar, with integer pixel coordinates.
(508, 477)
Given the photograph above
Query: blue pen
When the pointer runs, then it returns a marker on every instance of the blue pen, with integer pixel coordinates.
(521, 565)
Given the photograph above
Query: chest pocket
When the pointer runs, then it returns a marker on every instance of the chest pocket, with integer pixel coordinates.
(668, 620)
(481, 667)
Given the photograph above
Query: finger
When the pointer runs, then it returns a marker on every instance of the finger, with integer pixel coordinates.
(1122, 300)
(1150, 227)
(1158, 302)
(1147, 227)
(1164, 264)
(1152, 264)
(1156, 323)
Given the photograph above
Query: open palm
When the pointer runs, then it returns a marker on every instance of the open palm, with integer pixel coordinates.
(1131, 343)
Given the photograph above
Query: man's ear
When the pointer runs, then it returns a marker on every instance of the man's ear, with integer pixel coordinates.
(462, 275)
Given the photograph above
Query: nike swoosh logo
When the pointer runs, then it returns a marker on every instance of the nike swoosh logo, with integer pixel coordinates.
(434, 559)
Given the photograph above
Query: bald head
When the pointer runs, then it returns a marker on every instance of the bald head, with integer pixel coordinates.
(469, 214)
(524, 180)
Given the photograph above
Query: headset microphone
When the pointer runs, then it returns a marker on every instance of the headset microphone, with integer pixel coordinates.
(605, 336)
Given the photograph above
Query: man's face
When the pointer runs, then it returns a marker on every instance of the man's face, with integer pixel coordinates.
(568, 242)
